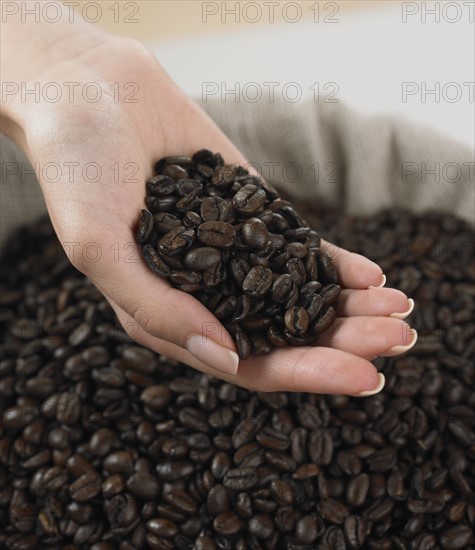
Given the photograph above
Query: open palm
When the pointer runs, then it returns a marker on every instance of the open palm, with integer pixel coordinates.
(105, 151)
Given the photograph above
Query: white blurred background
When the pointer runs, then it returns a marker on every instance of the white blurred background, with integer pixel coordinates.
(378, 57)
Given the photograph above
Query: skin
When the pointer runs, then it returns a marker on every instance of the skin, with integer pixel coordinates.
(164, 122)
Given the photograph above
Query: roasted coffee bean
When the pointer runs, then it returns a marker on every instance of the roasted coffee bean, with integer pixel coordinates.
(324, 320)
(160, 186)
(215, 209)
(357, 490)
(165, 222)
(217, 234)
(330, 294)
(227, 523)
(202, 258)
(145, 227)
(296, 320)
(255, 233)
(154, 261)
(326, 270)
(176, 241)
(162, 527)
(240, 479)
(249, 199)
(261, 526)
(143, 485)
(258, 281)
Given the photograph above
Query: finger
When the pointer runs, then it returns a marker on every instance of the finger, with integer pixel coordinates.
(354, 270)
(369, 336)
(312, 369)
(137, 333)
(316, 370)
(378, 302)
(163, 311)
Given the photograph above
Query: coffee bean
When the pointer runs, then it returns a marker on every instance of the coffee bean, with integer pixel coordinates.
(261, 526)
(215, 209)
(240, 479)
(217, 234)
(255, 233)
(145, 227)
(143, 485)
(258, 281)
(296, 320)
(176, 241)
(227, 523)
(154, 261)
(202, 258)
(162, 527)
(249, 199)
(86, 487)
(324, 321)
(160, 186)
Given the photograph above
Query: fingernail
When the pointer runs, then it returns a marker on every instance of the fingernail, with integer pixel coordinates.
(212, 354)
(410, 307)
(379, 387)
(382, 283)
(397, 350)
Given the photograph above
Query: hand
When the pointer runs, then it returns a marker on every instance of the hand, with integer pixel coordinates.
(165, 122)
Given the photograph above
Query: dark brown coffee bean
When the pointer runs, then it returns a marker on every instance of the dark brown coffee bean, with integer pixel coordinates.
(162, 527)
(216, 233)
(202, 258)
(239, 269)
(356, 530)
(261, 526)
(332, 510)
(307, 530)
(281, 287)
(296, 320)
(258, 281)
(145, 227)
(160, 186)
(166, 222)
(330, 294)
(143, 485)
(382, 460)
(296, 269)
(86, 487)
(154, 261)
(249, 199)
(227, 523)
(457, 537)
(215, 209)
(324, 320)
(357, 490)
(255, 233)
(326, 270)
(176, 241)
(320, 447)
(240, 479)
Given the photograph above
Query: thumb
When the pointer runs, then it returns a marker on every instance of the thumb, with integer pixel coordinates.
(159, 309)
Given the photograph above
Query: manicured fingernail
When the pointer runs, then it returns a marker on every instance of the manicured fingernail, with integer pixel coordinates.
(404, 314)
(397, 350)
(212, 354)
(377, 389)
(382, 283)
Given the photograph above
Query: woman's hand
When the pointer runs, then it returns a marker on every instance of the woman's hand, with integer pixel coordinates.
(95, 219)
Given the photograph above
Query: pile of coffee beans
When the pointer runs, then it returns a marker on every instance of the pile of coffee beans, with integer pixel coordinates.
(226, 237)
(104, 445)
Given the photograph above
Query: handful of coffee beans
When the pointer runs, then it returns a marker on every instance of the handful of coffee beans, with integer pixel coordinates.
(226, 237)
